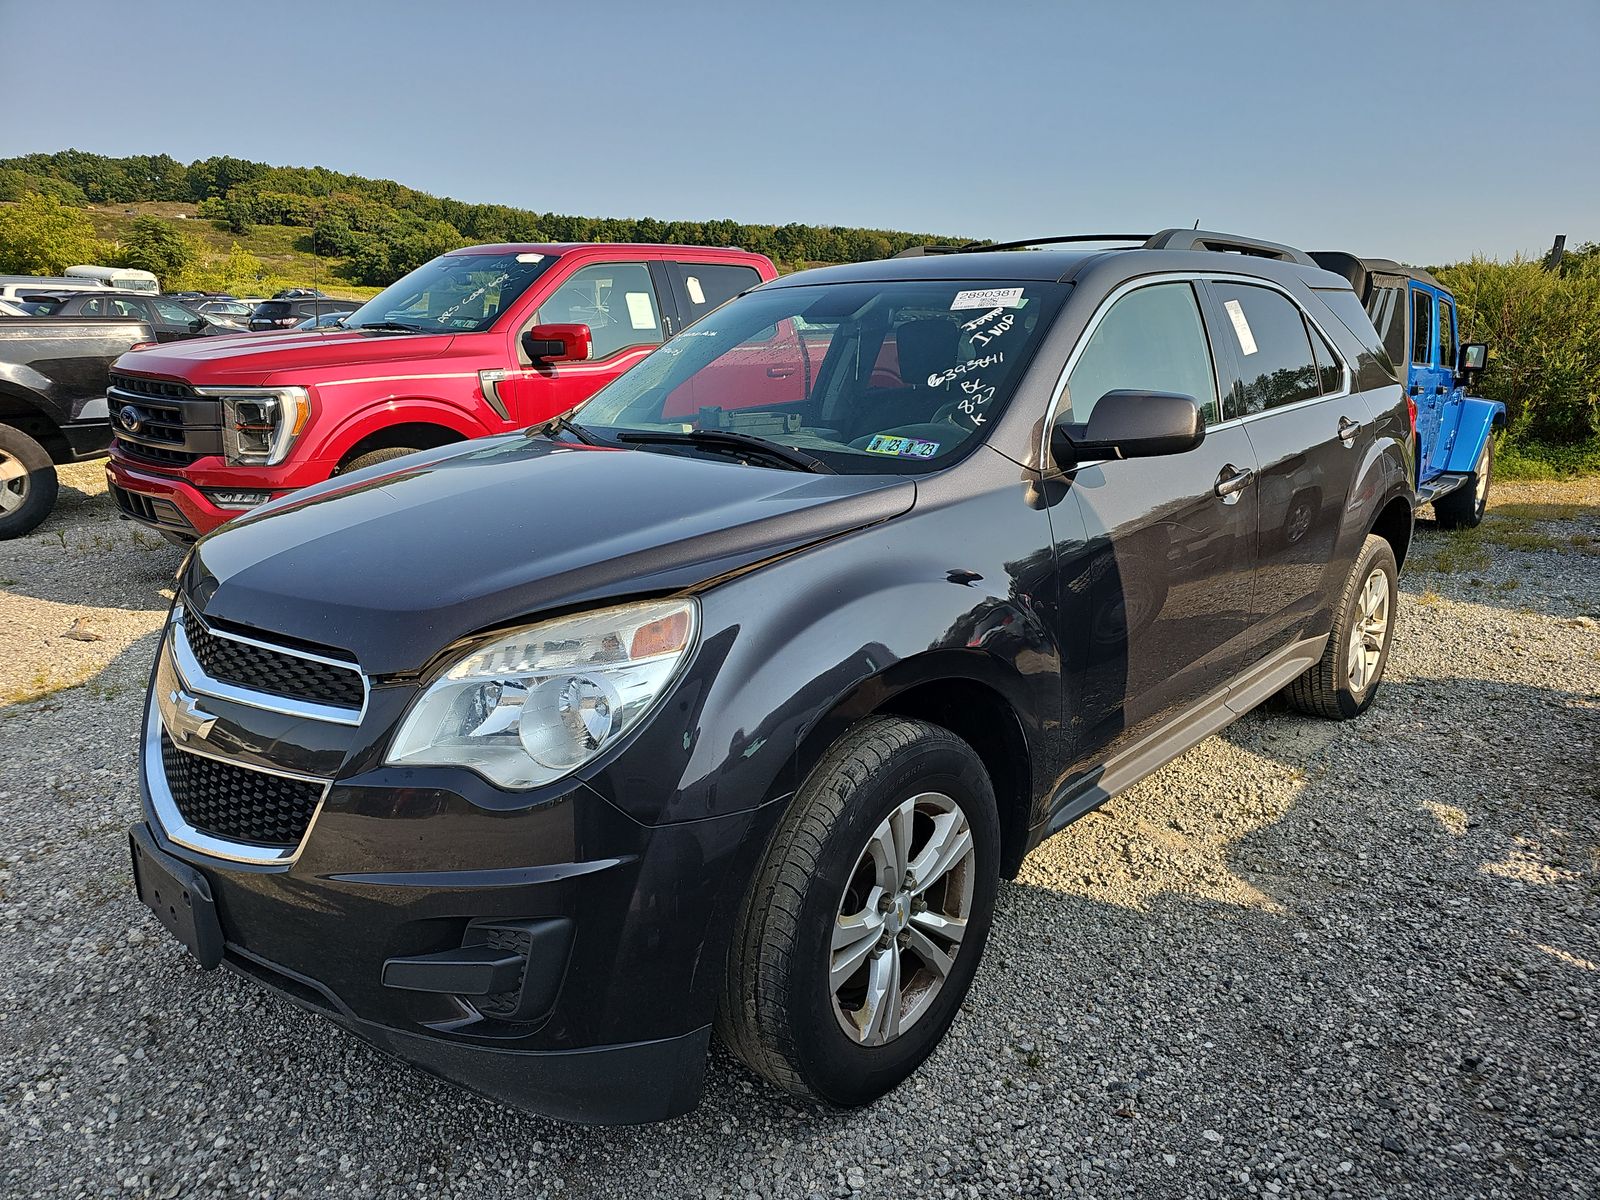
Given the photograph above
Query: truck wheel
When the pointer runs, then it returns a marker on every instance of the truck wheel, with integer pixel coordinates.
(27, 483)
(372, 458)
(1343, 684)
(1464, 507)
(864, 925)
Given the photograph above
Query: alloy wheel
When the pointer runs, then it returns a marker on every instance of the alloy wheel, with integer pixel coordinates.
(902, 918)
(1369, 631)
(13, 483)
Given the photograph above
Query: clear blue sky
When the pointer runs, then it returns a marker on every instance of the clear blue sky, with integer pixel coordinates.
(1308, 123)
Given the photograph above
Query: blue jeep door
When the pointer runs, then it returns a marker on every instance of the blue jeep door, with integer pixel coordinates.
(1429, 384)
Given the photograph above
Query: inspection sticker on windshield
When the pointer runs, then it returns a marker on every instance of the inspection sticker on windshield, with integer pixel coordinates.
(902, 447)
(1241, 327)
(988, 298)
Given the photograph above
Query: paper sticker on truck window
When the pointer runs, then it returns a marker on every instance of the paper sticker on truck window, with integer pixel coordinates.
(696, 292)
(902, 447)
(1241, 327)
(640, 311)
(988, 298)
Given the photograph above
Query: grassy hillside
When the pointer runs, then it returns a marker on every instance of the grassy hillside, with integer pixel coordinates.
(284, 250)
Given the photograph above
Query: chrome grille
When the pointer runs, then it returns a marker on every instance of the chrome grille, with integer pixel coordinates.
(252, 665)
(237, 803)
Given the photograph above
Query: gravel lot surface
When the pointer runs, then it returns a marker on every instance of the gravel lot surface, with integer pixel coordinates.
(1303, 960)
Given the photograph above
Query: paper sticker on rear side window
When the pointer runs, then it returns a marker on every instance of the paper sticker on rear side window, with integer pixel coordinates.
(1241, 327)
(902, 447)
(988, 298)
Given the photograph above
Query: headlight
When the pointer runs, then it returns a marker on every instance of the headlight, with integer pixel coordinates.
(259, 425)
(537, 704)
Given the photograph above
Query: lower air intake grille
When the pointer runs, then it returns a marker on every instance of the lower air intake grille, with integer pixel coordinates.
(237, 803)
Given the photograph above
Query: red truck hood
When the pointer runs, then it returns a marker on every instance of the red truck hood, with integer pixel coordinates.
(259, 358)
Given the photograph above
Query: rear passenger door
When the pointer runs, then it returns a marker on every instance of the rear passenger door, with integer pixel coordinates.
(761, 372)
(1428, 383)
(1289, 389)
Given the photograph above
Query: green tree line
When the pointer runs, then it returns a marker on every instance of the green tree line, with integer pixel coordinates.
(384, 229)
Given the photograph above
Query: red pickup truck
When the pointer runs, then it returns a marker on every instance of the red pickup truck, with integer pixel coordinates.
(479, 341)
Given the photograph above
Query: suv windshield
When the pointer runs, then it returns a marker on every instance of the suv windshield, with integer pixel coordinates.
(867, 377)
(454, 293)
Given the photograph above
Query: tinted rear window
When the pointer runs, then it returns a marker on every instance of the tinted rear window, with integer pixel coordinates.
(273, 308)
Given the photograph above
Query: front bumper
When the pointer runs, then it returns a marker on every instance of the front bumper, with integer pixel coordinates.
(402, 863)
(166, 503)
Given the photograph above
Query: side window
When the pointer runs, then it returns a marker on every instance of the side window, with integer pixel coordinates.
(705, 286)
(93, 307)
(124, 307)
(1271, 346)
(172, 313)
(615, 300)
(1421, 328)
(1386, 308)
(1151, 340)
(1447, 334)
(1330, 367)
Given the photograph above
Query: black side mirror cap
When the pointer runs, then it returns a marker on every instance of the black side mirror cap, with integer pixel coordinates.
(1471, 359)
(1131, 424)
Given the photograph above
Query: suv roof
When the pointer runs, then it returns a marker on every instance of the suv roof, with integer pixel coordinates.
(1169, 250)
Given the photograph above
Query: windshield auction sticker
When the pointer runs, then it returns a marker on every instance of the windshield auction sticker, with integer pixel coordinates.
(901, 447)
(988, 298)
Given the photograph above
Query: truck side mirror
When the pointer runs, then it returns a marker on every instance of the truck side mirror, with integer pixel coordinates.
(1471, 360)
(557, 343)
(1131, 424)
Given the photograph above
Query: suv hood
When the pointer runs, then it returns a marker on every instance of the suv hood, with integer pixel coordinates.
(393, 565)
(241, 359)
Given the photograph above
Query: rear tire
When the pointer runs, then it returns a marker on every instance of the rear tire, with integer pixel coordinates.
(836, 989)
(1342, 685)
(1464, 507)
(28, 484)
(372, 458)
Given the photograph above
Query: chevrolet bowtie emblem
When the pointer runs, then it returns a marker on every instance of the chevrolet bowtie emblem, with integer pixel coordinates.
(186, 717)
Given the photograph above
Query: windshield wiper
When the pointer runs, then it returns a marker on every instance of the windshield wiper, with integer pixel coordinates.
(564, 424)
(727, 439)
(391, 327)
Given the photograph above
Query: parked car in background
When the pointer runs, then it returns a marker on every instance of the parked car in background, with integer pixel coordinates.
(53, 405)
(718, 706)
(300, 293)
(287, 313)
(25, 287)
(329, 320)
(225, 312)
(8, 309)
(169, 320)
(478, 341)
(1416, 317)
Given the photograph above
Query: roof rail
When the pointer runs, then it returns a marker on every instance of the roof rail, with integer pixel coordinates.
(1206, 239)
(981, 247)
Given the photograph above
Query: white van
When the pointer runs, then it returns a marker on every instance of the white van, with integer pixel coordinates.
(129, 279)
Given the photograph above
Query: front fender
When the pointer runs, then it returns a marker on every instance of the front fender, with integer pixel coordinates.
(1478, 420)
(353, 428)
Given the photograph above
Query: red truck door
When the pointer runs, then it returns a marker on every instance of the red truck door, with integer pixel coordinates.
(619, 303)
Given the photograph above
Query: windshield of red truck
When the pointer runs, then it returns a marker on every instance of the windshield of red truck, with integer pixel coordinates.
(866, 377)
(455, 293)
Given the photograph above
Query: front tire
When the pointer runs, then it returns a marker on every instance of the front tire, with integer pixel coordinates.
(1342, 685)
(1464, 507)
(28, 484)
(866, 920)
(372, 458)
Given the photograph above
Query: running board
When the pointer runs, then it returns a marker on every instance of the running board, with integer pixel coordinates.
(1089, 791)
(1442, 485)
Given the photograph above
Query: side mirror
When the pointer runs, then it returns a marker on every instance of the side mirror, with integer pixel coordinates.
(196, 325)
(1471, 360)
(1131, 424)
(558, 343)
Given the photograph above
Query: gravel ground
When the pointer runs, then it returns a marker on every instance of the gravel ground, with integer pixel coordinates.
(1303, 960)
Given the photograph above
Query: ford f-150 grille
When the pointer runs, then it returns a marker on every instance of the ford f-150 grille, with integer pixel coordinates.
(256, 667)
(237, 803)
(163, 422)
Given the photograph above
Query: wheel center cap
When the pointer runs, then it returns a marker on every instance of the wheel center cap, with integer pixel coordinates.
(898, 916)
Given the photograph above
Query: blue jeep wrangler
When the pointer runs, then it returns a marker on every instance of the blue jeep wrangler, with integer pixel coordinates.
(1416, 317)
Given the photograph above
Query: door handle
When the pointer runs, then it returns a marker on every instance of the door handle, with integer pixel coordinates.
(1439, 391)
(1232, 481)
(1416, 389)
(779, 372)
(1348, 430)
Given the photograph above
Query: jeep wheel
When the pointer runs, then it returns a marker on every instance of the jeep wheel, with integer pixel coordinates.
(27, 483)
(1464, 507)
(866, 920)
(1344, 683)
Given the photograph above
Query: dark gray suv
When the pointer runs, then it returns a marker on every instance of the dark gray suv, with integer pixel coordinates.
(725, 701)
